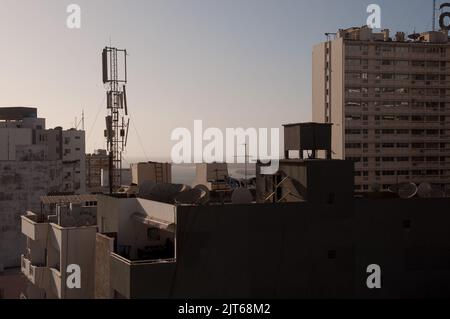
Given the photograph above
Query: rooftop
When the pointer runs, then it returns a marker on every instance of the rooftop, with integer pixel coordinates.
(67, 199)
(17, 113)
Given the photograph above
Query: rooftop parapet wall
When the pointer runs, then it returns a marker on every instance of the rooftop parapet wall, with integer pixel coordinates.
(17, 113)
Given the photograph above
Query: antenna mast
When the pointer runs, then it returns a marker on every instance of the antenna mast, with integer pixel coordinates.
(434, 15)
(115, 79)
(82, 120)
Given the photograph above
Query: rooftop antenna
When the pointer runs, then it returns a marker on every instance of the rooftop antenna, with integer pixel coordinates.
(116, 133)
(246, 157)
(329, 35)
(434, 15)
(82, 120)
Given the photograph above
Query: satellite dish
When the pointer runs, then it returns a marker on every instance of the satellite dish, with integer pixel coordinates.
(206, 196)
(86, 220)
(447, 191)
(234, 183)
(165, 193)
(414, 36)
(68, 221)
(425, 190)
(190, 197)
(241, 196)
(145, 188)
(437, 192)
(405, 190)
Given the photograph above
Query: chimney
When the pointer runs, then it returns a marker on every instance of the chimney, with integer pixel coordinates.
(386, 34)
(400, 36)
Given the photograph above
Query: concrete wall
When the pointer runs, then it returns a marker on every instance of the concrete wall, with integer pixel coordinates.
(10, 138)
(104, 245)
(414, 260)
(318, 83)
(79, 249)
(335, 86)
(21, 185)
(157, 172)
(337, 98)
(115, 216)
(300, 250)
(12, 284)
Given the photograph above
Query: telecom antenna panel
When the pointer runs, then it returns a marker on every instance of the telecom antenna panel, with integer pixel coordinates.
(114, 62)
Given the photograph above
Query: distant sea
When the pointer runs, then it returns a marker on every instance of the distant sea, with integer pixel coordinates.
(185, 173)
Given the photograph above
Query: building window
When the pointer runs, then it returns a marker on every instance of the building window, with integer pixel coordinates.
(407, 224)
(418, 63)
(332, 254)
(331, 198)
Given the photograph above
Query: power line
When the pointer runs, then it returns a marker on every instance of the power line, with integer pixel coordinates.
(139, 139)
(96, 117)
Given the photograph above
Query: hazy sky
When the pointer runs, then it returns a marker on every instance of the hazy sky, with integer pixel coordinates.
(231, 63)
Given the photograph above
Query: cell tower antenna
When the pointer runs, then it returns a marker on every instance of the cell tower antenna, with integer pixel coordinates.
(434, 15)
(114, 63)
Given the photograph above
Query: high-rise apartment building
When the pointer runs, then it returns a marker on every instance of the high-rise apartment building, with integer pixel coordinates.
(389, 102)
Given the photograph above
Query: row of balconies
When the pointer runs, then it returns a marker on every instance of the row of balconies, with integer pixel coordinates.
(397, 110)
(401, 165)
(401, 83)
(41, 276)
(395, 152)
(397, 179)
(431, 56)
(407, 138)
(35, 274)
(397, 68)
(406, 95)
(400, 124)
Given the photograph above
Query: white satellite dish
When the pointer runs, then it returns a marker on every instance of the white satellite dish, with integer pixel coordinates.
(190, 197)
(166, 193)
(406, 190)
(206, 196)
(425, 190)
(145, 188)
(241, 196)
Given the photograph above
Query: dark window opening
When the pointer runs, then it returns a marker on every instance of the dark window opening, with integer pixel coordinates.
(332, 254)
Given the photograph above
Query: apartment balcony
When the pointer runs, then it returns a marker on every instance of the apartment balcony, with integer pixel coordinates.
(33, 228)
(420, 152)
(36, 274)
(426, 165)
(55, 285)
(141, 279)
